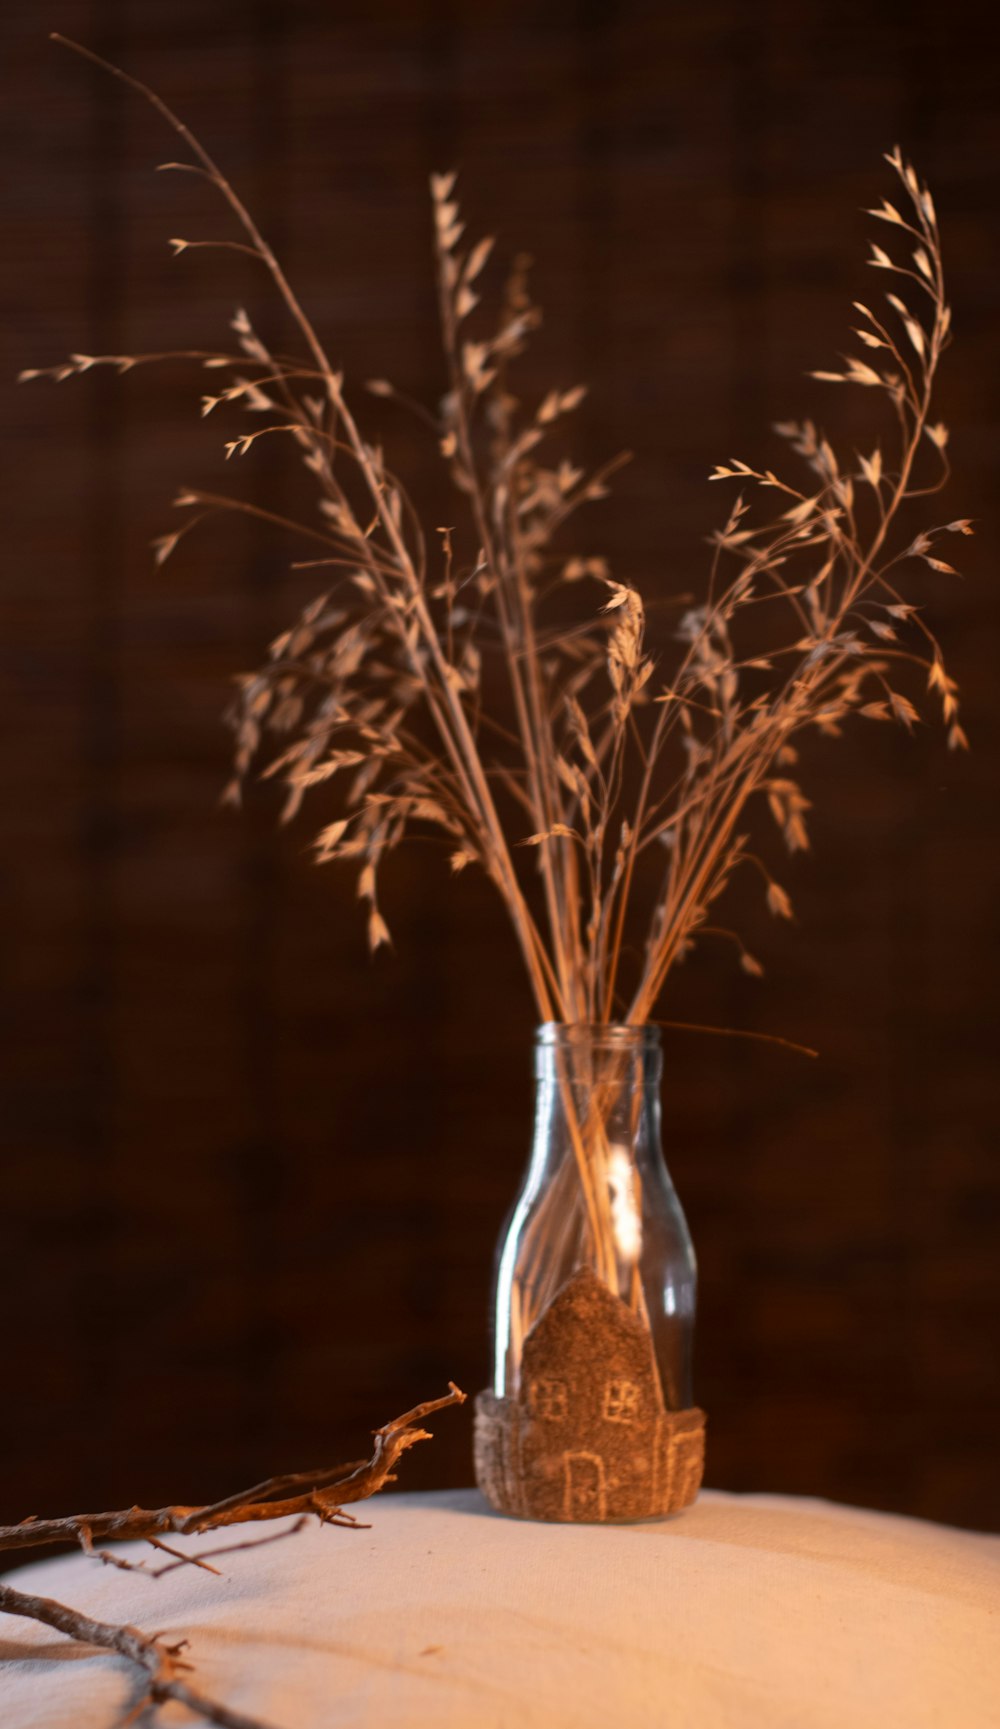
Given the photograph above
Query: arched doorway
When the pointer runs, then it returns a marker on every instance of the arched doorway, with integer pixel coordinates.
(585, 1493)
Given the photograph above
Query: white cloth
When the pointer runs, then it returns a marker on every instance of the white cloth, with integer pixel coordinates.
(746, 1611)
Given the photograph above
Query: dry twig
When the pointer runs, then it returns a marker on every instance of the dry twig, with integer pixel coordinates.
(322, 1494)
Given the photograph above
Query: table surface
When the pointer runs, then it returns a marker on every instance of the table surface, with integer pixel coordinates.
(746, 1610)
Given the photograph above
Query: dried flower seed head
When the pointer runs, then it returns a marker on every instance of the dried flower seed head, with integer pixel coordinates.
(467, 684)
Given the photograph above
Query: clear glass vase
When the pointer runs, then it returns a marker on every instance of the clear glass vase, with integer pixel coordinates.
(590, 1416)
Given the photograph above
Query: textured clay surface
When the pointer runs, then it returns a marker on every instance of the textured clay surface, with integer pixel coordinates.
(587, 1438)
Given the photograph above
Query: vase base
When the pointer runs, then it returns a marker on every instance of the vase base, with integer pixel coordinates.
(626, 1476)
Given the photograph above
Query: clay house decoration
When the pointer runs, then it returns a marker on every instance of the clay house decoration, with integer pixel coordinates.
(588, 1436)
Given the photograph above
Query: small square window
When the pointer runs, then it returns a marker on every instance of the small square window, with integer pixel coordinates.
(621, 1401)
(548, 1399)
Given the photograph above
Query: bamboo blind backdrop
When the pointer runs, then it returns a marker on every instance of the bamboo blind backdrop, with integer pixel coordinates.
(251, 1181)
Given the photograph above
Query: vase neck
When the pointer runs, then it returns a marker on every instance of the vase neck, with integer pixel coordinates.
(609, 1054)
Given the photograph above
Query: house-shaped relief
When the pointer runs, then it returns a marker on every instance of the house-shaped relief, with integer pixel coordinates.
(588, 1437)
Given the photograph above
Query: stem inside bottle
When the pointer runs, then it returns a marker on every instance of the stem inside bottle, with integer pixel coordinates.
(597, 1195)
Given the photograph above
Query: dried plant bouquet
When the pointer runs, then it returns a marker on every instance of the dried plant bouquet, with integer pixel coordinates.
(482, 686)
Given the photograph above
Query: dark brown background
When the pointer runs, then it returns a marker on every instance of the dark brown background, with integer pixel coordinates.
(252, 1182)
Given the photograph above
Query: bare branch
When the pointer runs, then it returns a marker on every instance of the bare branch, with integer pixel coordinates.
(323, 1494)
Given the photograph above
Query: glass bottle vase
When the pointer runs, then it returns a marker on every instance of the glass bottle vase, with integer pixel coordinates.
(590, 1417)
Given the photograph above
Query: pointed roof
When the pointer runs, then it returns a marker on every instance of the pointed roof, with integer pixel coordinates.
(588, 1328)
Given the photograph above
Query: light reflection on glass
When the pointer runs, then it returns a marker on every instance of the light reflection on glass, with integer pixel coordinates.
(625, 1221)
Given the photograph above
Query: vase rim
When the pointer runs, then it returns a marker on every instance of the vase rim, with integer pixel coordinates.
(613, 1035)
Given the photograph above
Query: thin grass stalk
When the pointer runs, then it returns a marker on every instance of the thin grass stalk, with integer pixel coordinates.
(382, 676)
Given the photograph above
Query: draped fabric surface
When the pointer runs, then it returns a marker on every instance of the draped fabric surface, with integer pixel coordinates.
(747, 1610)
